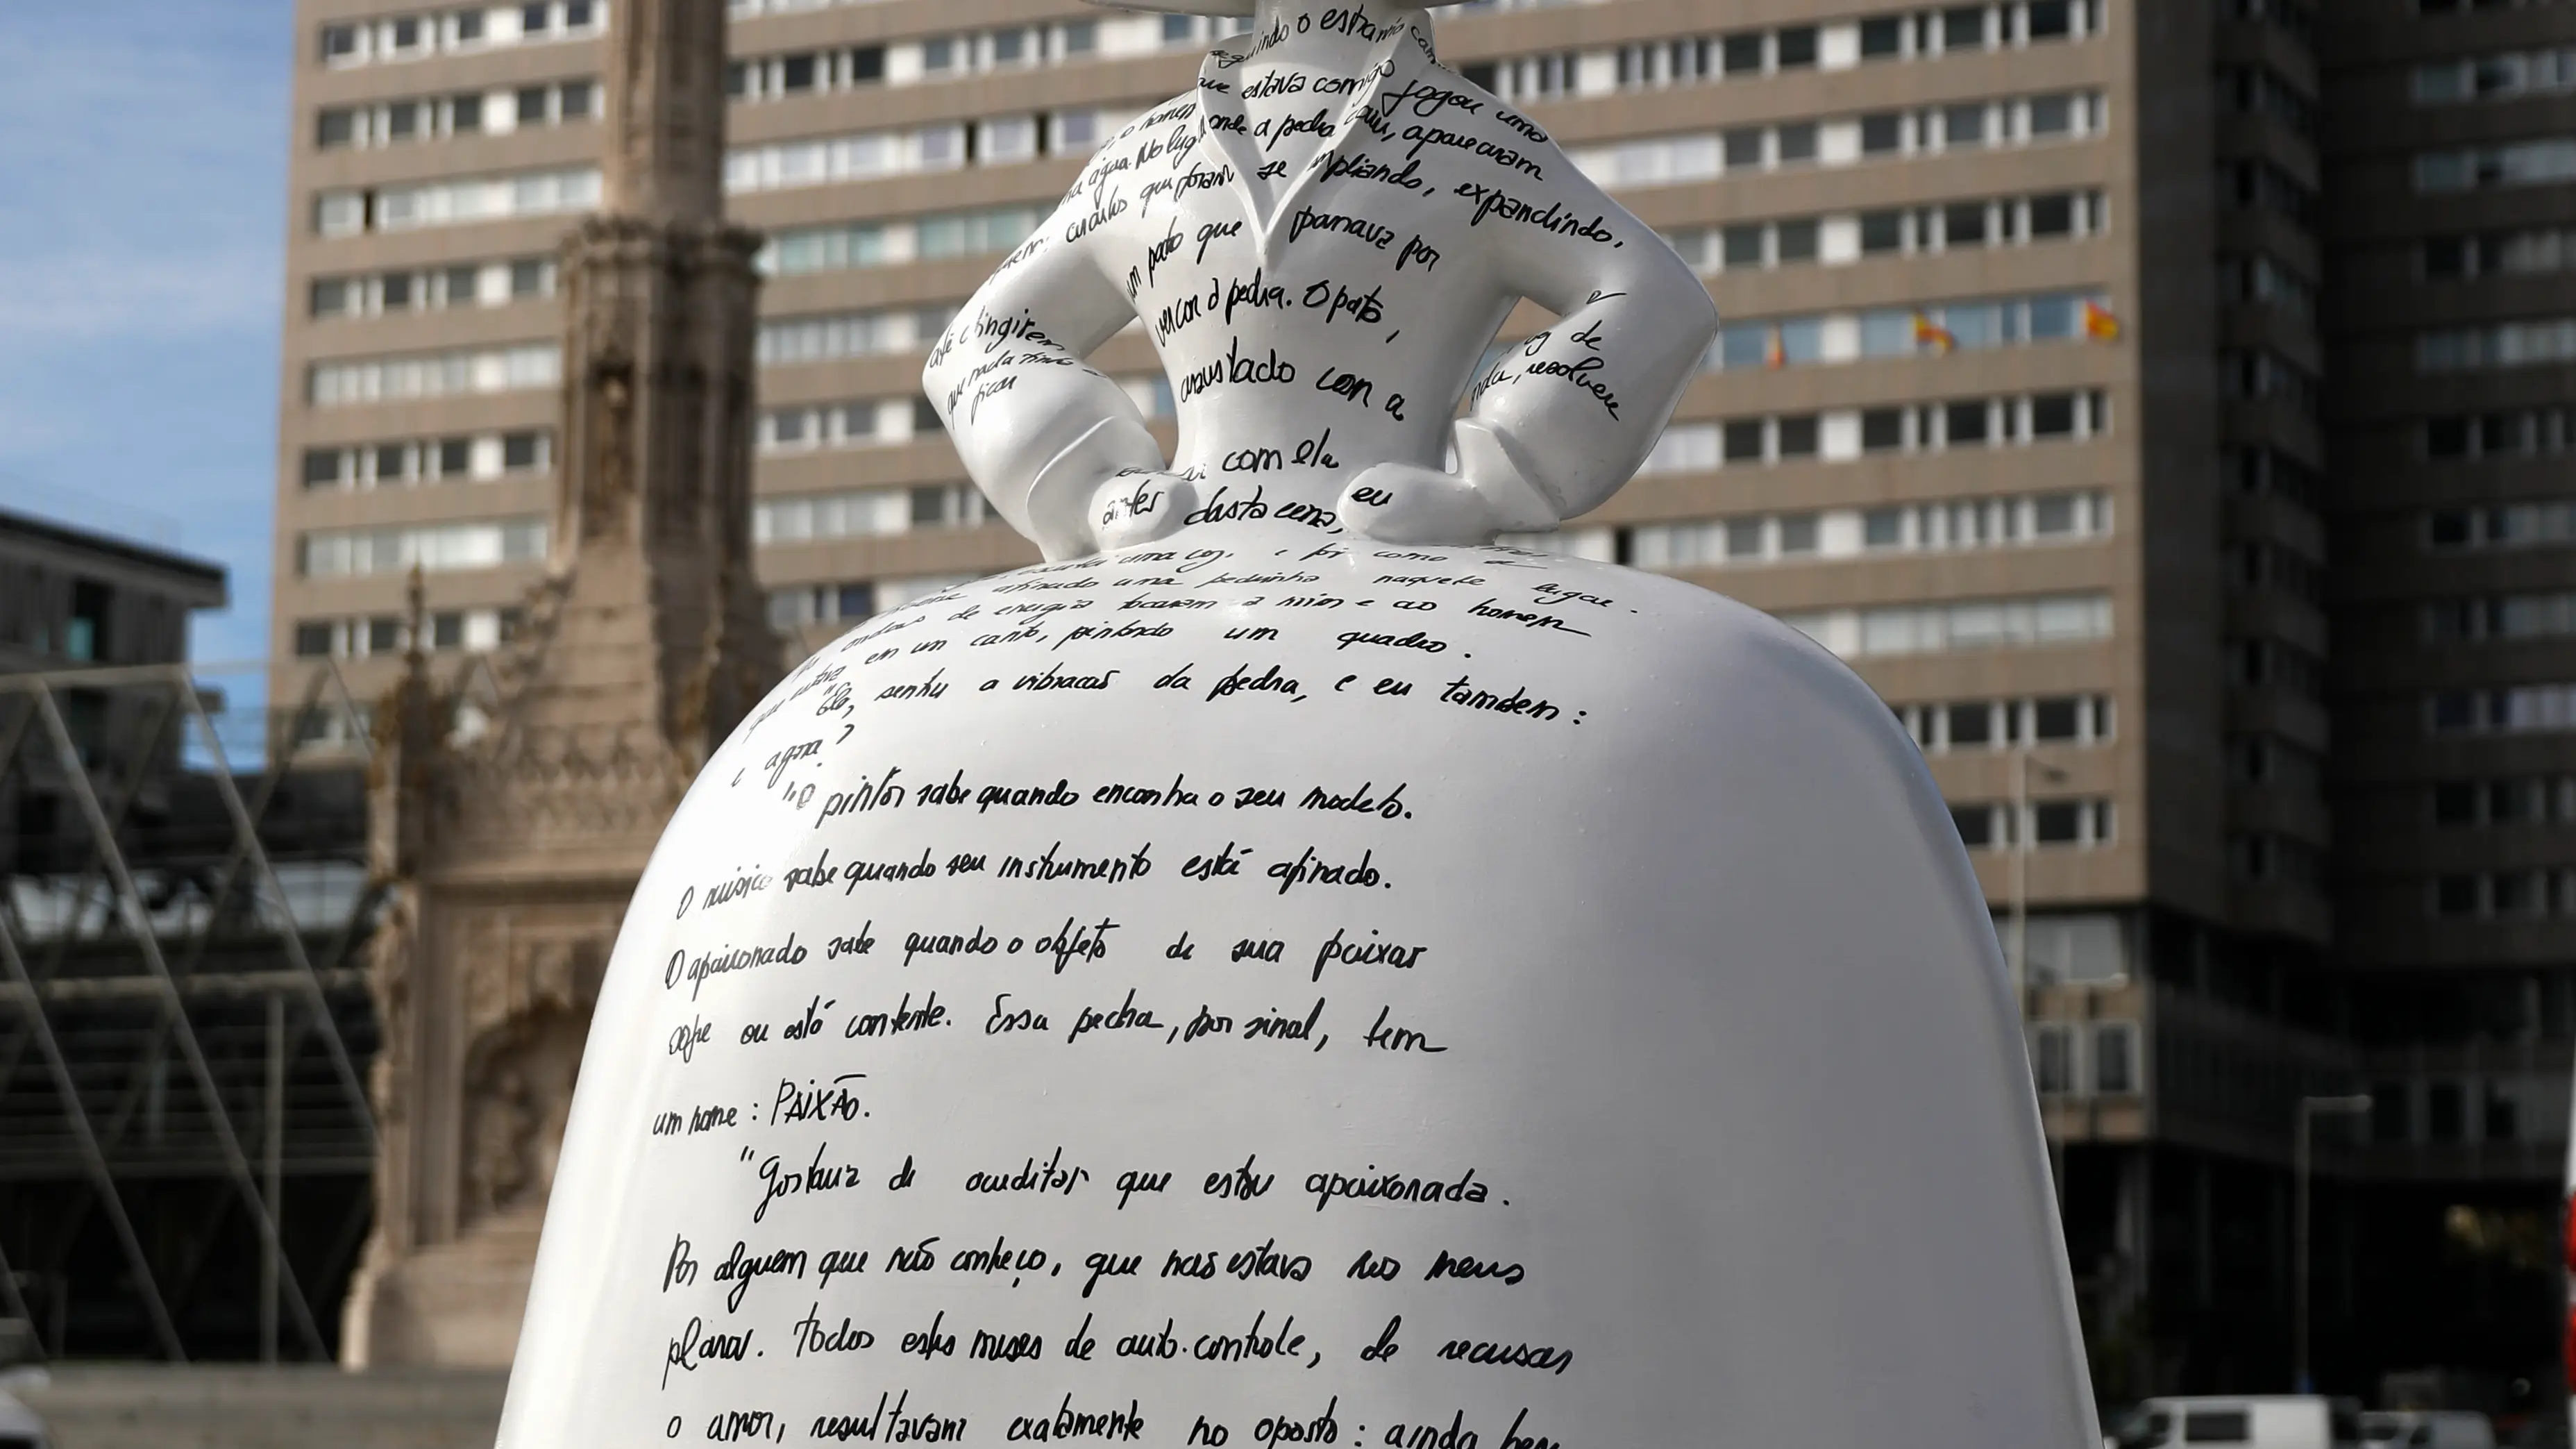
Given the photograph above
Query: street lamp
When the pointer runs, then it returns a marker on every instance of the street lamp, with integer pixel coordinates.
(2309, 1108)
(2023, 763)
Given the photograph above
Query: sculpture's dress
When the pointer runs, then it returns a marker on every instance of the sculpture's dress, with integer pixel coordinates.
(1267, 985)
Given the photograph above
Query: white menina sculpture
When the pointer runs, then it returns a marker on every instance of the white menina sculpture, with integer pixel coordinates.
(1287, 970)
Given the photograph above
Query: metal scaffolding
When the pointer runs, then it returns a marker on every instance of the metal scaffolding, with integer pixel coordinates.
(186, 1140)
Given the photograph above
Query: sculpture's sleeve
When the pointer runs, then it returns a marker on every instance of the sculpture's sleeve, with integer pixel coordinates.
(1037, 427)
(1578, 405)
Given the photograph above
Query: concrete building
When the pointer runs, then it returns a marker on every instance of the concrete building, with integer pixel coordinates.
(2021, 407)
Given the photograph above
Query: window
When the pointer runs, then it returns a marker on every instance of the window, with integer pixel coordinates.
(1882, 37)
(1743, 53)
(520, 451)
(1882, 232)
(439, 374)
(312, 640)
(1795, 47)
(1975, 823)
(1882, 134)
(1882, 430)
(433, 548)
(1797, 142)
(1964, 28)
(2052, 1060)
(1797, 240)
(2214, 1426)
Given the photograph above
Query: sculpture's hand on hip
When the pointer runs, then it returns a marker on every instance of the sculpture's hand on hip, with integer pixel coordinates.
(1138, 507)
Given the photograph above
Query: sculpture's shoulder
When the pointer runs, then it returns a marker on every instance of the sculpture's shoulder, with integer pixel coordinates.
(1436, 107)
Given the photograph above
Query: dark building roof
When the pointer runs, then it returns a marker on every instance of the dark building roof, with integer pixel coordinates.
(180, 568)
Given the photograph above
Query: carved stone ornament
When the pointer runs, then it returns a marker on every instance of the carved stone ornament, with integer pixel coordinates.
(1289, 969)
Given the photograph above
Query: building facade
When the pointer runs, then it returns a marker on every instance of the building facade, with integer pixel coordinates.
(2021, 407)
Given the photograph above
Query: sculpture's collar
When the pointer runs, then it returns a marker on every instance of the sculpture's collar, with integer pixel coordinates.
(1394, 63)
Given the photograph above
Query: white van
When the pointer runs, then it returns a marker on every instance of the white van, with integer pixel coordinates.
(2282, 1421)
(2427, 1429)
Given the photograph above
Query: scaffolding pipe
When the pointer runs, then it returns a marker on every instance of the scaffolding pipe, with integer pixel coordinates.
(52, 1052)
(272, 1173)
(190, 1050)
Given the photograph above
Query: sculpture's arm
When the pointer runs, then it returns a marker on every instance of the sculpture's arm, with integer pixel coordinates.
(1038, 428)
(1574, 409)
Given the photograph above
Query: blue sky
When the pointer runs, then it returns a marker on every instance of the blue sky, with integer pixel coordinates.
(142, 231)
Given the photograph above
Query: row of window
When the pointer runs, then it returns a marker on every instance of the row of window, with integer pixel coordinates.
(2258, 374)
(789, 74)
(2510, 163)
(1996, 825)
(2517, 433)
(801, 605)
(362, 638)
(853, 245)
(2260, 857)
(506, 368)
(2275, 763)
(2263, 280)
(2509, 525)
(2504, 895)
(2503, 253)
(2500, 616)
(1837, 240)
(466, 113)
(1996, 724)
(2497, 346)
(2524, 800)
(1968, 523)
(2498, 77)
(421, 34)
(2262, 564)
(1903, 332)
(850, 334)
(2261, 185)
(1667, 160)
(430, 547)
(2507, 710)
(1972, 624)
(433, 289)
(1701, 59)
(472, 457)
(866, 513)
(2265, 663)
(2107, 1065)
(2259, 90)
(995, 141)
(1844, 435)
(863, 423)
(348, 211)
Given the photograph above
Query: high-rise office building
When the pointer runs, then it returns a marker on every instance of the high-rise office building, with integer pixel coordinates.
(2021, 407)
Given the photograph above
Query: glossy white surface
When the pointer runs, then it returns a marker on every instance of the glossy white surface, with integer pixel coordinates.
(1619, 913)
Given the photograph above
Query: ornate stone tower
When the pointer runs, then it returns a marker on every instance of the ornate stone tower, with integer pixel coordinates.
(511, 836)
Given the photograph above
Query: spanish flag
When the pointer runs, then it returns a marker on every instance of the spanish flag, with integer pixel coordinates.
(1775, 352)
(2099, 323)
(1928, 333)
